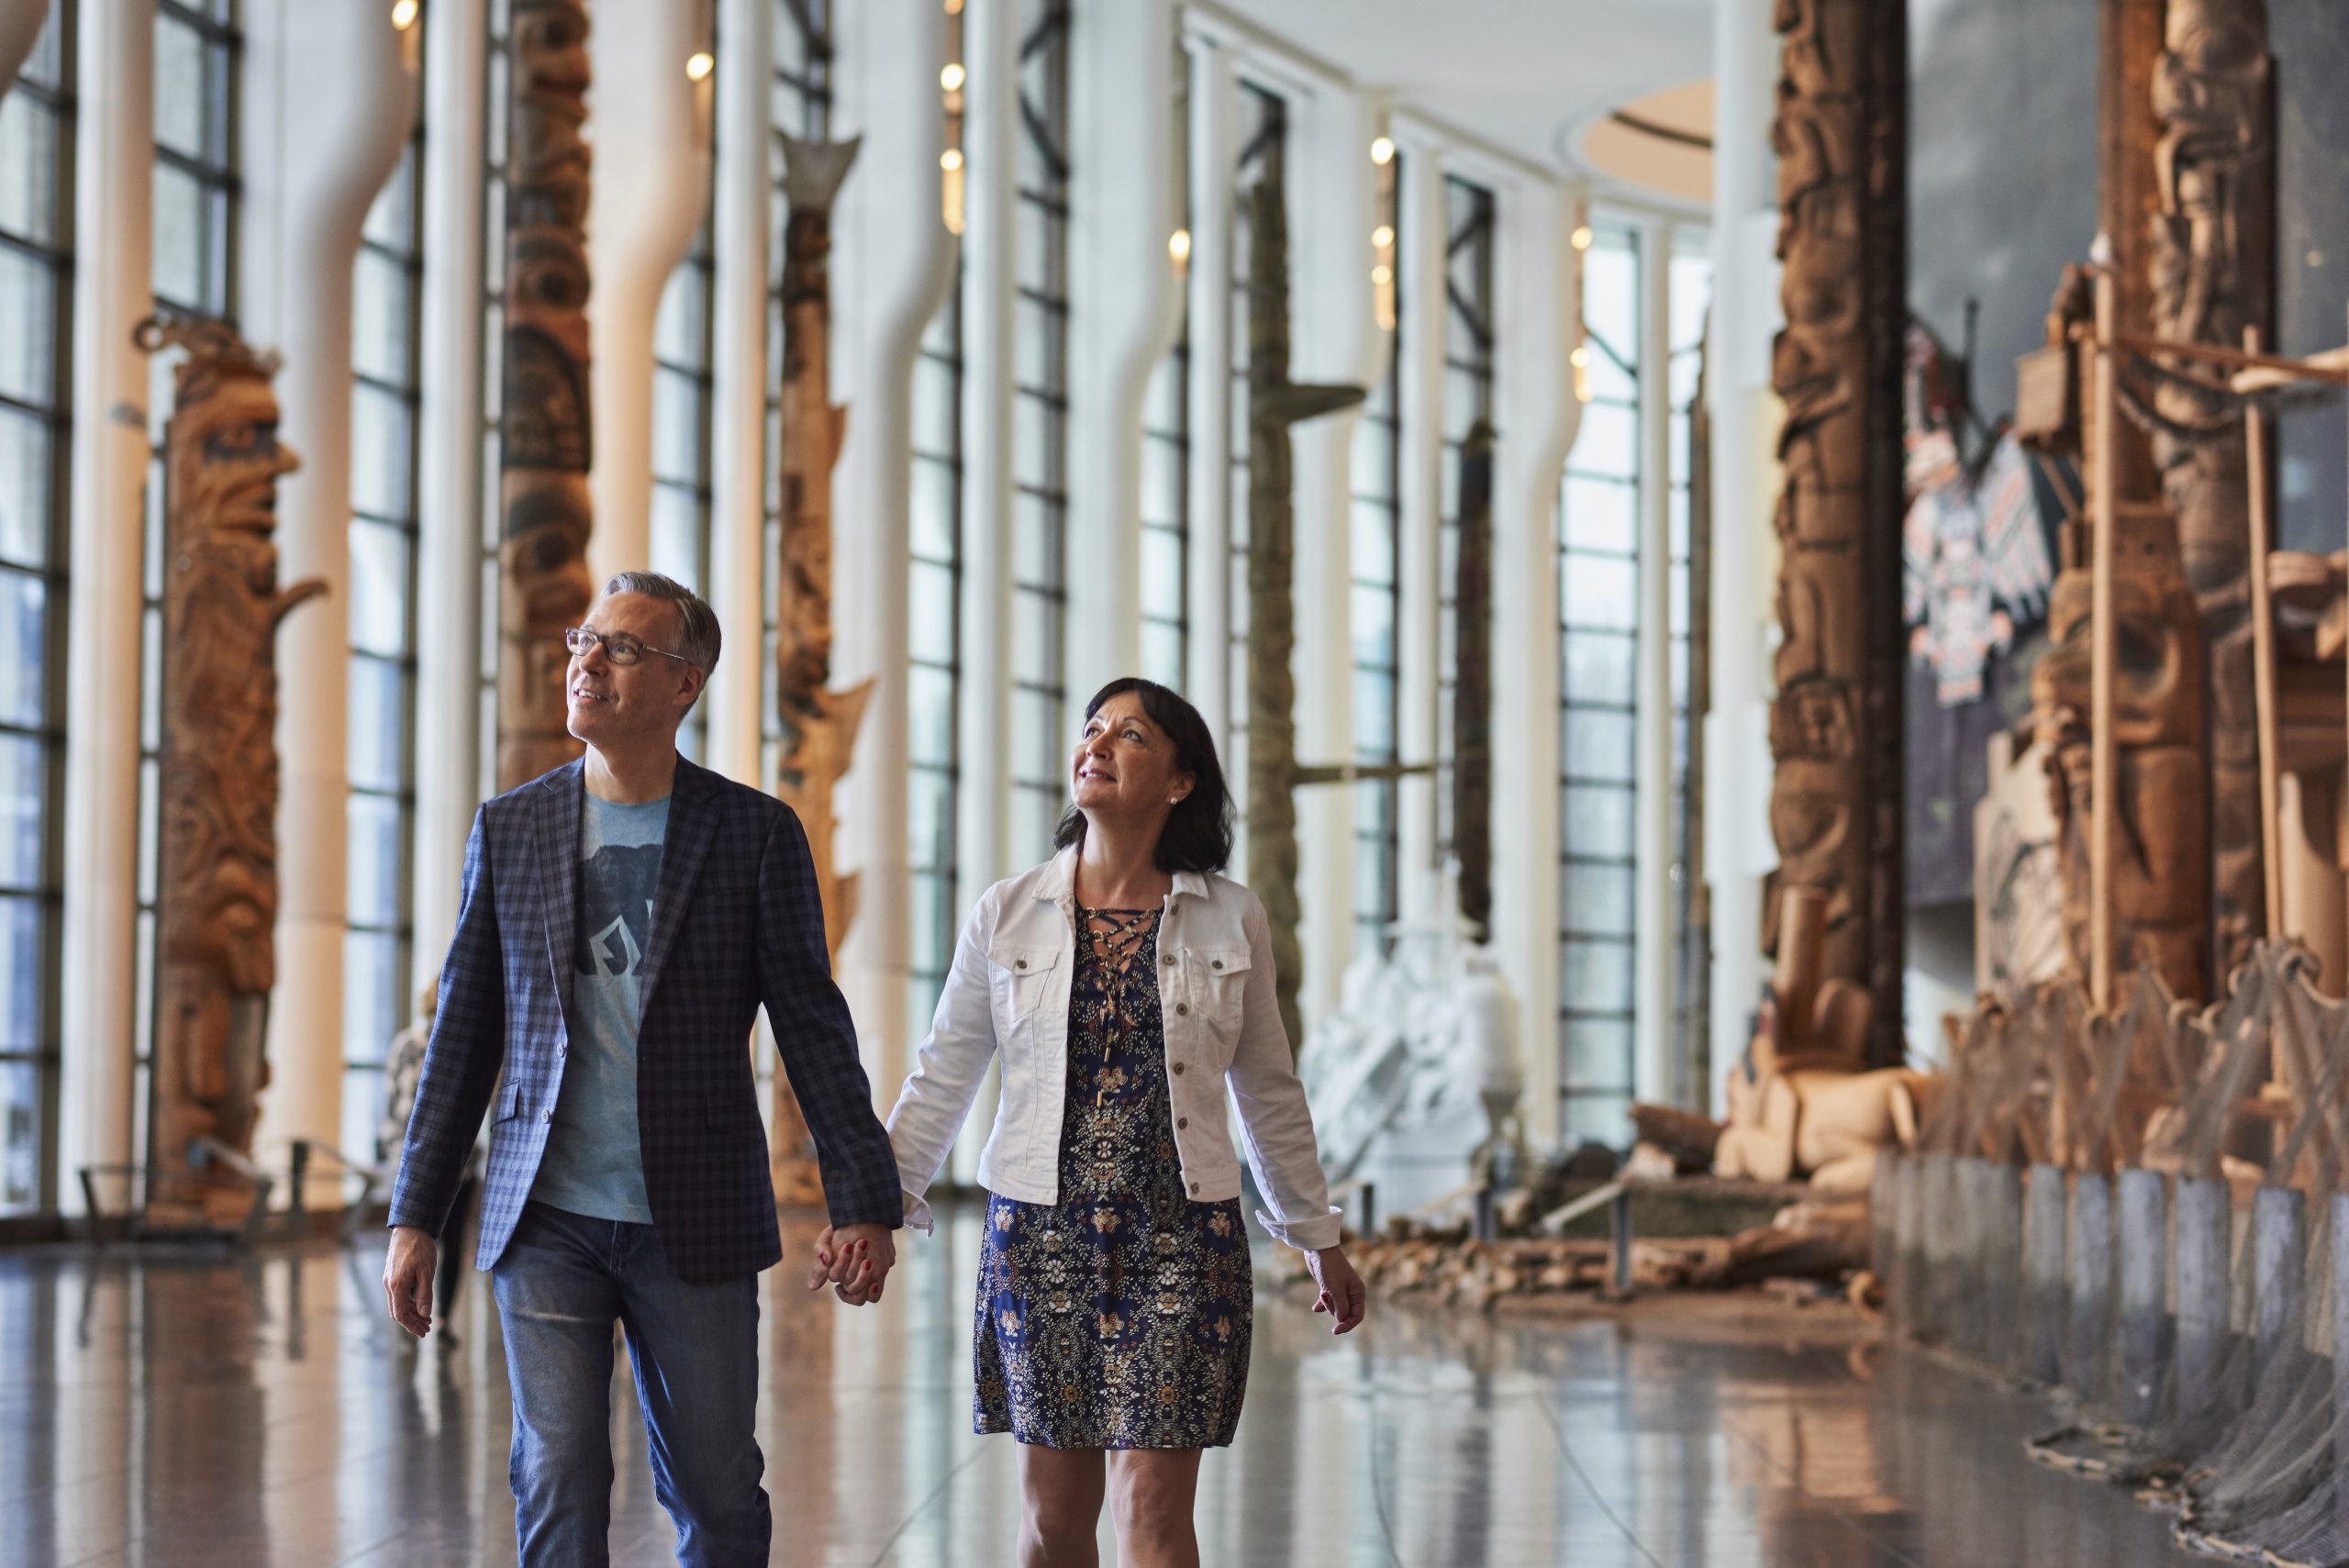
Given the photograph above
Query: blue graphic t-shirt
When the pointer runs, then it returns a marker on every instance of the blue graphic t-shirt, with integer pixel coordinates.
(593, 1164)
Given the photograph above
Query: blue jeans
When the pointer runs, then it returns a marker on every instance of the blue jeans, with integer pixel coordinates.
(563, 1281)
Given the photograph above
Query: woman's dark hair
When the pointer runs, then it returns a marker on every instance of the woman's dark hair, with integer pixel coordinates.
(1197, 836)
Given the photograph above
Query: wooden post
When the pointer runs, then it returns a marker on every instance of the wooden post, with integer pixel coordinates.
(2104, 513)
(2263, 649)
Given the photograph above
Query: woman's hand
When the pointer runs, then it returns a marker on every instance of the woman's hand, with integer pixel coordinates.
(1343, 1295)
(850, 1262)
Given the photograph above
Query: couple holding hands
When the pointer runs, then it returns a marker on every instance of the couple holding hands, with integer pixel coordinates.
(624, 919)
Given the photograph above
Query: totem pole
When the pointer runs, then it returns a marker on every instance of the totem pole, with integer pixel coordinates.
(818, 723)
(2211, 265)
(1472, 703)
(216, 855)
(544, 431)
(1835, 726)
(1275, 404)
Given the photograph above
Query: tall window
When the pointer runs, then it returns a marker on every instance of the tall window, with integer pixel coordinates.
(683, 393)
(1691, 286)
(1264, 125)
(1166, 450)
(193, 264)
(934, 588)
(1467, 397)
(499, 132)
(382, 749)
(36, 271)
(1039, 731)
(800, 105)
(1375, 613)
(1599, 598)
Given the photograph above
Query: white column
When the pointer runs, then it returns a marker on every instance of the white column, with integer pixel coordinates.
(1207, 602)
(991, 130)
(1738, 850)
(328, 102)
(892, 264)
(449, 473)
(115, 151)
(651, 185)
(1422, 231)
(738, 390)
(21, 22)
(1122, 301)
(1652, 961)
(1537, 289)
(1336, 339)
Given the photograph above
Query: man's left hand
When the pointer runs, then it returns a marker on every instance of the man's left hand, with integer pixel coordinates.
(854, 1259)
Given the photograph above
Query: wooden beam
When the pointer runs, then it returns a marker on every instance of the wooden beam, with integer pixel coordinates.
(2103, 754)
(2263, 649)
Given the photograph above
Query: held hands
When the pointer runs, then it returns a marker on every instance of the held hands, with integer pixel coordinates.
(854, 1261)
(407, 1277)
(1342, 1295)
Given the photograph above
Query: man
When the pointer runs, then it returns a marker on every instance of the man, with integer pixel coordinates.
(624, 917)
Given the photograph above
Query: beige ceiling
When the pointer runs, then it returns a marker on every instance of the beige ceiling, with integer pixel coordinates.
(1530, 76)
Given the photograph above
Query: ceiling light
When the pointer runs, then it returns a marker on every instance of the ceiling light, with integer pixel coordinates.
(1583, 238)
(952, 77)
(404, 14)
(951, 159)
(700, 64)
(1383, 236)
(1382, 152)
(1178, 245)
(1382, 274)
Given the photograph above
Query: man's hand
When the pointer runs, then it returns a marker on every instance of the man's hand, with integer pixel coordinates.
(1342, 1295)
(407, 1277)
(853, 1259)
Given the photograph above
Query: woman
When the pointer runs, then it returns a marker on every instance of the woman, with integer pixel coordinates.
(1124, 985)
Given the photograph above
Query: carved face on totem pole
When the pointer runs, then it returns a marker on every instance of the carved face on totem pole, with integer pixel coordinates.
(553, 70)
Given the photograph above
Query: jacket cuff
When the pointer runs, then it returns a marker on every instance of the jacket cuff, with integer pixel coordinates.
(917, 1215)
(1324, 1229)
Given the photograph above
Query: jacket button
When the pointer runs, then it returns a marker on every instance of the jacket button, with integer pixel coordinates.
(1181, 1122)
(1020, 963)
(547, 1114)
(1182, 1009)
(1178, 1069)
(1194, 1186)
(1216, 964)
(1168, 959)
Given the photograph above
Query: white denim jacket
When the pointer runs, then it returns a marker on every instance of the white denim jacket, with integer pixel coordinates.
(1008, 992)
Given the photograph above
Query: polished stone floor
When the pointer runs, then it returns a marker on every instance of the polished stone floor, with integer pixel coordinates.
(189, 1409)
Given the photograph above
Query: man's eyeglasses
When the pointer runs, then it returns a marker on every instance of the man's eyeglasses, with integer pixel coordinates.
(618, 646)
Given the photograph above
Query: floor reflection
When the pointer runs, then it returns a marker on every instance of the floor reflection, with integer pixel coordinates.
(194, 1408)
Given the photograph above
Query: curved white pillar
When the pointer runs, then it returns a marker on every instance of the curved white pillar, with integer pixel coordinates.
(328, 103)
(1739, 849)
(115, 156)
(650, 184)
(1654, 960)
(1123, 289)
(1422, 310)
(741, 194)
(891, 264)
(1538, 293)
(449, 445)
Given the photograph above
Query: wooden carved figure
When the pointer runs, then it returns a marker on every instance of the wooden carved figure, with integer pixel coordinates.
(544, 432)
(1472, 703)
(818, 723)
(1835, 727)
(217, 870)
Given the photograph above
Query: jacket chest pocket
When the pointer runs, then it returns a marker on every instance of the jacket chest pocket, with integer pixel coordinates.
(1219, 986)
(1019, 979)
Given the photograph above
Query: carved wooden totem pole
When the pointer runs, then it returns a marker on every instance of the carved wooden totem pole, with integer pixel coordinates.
(818, 723)
(1835, 726)
(216, 872)
(2211, 266)
(1275, 404)
(1472, 702)
(544, 431)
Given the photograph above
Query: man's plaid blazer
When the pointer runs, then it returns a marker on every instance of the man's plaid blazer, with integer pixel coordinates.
(737, 923)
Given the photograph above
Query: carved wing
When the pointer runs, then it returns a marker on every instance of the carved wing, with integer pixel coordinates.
(2014, 540)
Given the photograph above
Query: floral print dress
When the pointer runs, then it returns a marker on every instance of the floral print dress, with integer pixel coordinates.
(1119, 1317)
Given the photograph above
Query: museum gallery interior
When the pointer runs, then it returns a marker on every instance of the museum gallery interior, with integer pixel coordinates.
(1769, 578)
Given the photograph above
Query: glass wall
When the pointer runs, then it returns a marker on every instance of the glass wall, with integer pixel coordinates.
(1691, 284)
(1599, 600)
(381, 700)
(1167, 448)
(36, 275)
(1467, 397)
(1040, 731)
(683, 393)
(1375, 614)
(1263, 123)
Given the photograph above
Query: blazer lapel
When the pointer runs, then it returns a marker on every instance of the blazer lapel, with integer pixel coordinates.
(693, 823)
(559, 805)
